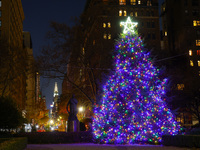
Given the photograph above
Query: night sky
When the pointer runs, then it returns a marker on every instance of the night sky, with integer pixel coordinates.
(38, 15)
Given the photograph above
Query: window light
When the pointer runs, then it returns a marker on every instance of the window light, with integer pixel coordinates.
(190, 52)
(165, 33)
(191, 63)
(125, 14)
(120, 12)
(198, 52)
(198, 63)
(136, 14)
(121, 24)
(180, 86)
(104, 25)
(148, 2)
(122, 2)
(105, 36)
(83, 50)
(109, 36)
(198, 42)
(196, 23)
(109, 25)
(133, 2)
(131, 14)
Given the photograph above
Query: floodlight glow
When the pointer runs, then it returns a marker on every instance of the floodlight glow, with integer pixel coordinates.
(80, 109)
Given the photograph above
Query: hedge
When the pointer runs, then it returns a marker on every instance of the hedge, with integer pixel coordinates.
(181, 140)
(57, 137)
(13, 143)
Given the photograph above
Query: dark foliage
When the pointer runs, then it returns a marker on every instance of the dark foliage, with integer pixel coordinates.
(57, 137)
(10, 117)
(13, 143)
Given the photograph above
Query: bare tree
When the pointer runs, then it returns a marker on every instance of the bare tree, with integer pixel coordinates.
(63, 58)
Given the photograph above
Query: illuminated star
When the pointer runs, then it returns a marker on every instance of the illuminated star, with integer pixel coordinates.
(129, 26)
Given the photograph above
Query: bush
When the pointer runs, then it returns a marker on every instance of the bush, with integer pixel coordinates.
(194, 131)
(181, 140)
(10, 117)
(13, 143)
(57, 137)
(6, 134)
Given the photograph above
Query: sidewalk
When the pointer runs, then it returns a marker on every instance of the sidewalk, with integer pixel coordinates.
(101, 147)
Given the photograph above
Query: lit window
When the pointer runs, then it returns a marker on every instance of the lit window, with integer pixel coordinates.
(83, 50)
(136, 14)
(178, 119)
(93, 42)
(122, 2)
(131, 14)
(0, 3)
(121, 24)
(109, 25)
(163, 9)
(197, 42)
(190, 52)
(81, 72)
(198, 63)
(104, 25)
(133, 2)
(120, 13)
(148, 2)
(196, 23)
(109, 36)
(105, 36)
(198, 52)
(165, 33)
(125, 13)
(180, 86)
(139, 2)
(191, 63)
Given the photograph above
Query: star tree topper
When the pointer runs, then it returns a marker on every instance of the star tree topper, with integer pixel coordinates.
(129, 26)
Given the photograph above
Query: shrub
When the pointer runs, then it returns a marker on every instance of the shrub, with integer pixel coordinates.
(13, 143)
(181, 140)
(57, 137)
(10, 117)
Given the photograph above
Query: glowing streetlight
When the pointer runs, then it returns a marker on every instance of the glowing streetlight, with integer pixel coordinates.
(51, 121)
(80, 109)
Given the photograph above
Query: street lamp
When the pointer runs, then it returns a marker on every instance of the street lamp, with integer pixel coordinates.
(51, 121)
(81, 109)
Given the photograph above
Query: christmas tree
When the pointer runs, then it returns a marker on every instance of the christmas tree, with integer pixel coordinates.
(133, 107)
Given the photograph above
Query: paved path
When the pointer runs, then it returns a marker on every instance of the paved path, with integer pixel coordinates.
(101, 147)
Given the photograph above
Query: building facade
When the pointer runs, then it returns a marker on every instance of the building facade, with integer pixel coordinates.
(100, 27)
(181, 43)
(54, 111)
(13, 62)
(30, 106)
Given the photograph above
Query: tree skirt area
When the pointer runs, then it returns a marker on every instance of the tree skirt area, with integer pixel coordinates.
(101, 147)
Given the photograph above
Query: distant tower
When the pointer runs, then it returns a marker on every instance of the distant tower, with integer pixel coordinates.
(55, 102)
(55, 90)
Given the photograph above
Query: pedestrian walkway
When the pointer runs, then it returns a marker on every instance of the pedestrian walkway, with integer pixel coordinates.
(101, 147)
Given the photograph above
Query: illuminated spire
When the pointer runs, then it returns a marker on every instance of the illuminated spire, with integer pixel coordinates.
(129, 26)
(55, 90)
